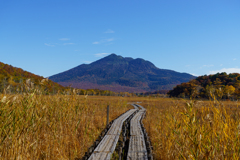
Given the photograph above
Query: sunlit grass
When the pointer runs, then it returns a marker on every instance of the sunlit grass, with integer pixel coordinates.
(53, 127)
(182, 129)
(64, 126)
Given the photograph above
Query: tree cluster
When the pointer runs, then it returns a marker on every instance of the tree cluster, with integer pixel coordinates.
(220, 86)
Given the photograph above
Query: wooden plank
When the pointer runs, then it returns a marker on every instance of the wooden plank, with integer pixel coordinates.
(108, 144)
(117, 124)
(140, 106)
(135, 126)
(137, 148)
(135, 106)
(100, 155)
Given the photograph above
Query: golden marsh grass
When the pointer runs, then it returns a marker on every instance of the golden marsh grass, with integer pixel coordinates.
(53, 127)
(182, 129)
(64, 127)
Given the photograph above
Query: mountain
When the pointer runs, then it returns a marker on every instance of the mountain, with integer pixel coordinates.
(119, 74)
(15, 79)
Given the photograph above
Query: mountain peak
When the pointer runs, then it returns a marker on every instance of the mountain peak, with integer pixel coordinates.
(113, 56)
(110, 59)
(118, 73)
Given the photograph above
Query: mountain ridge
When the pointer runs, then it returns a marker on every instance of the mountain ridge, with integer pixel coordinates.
(114, 70)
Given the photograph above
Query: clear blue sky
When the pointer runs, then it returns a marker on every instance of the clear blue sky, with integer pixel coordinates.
(46, 37)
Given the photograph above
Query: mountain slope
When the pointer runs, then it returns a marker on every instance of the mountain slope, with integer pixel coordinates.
(121, 74)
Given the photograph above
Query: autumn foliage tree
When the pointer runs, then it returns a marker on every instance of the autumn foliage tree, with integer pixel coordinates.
(220, 85)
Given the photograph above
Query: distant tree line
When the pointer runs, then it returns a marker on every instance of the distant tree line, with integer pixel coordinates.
(220, 86)
(158, 93)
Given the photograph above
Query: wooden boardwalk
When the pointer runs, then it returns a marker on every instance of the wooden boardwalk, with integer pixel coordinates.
(137, 147)
(108, 144)
(135, 106)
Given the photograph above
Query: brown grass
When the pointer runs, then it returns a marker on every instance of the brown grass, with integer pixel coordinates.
(53, 127)
(64, 127)
(182, 129)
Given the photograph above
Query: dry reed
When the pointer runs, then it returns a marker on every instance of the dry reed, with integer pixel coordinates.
(63, 127)
(52, 127)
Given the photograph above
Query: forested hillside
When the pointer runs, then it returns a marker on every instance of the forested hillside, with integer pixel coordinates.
(13, 79)
(220, 85)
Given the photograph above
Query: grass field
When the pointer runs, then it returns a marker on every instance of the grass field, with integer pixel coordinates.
(182, 129)
(63, 127)
(53, 127)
